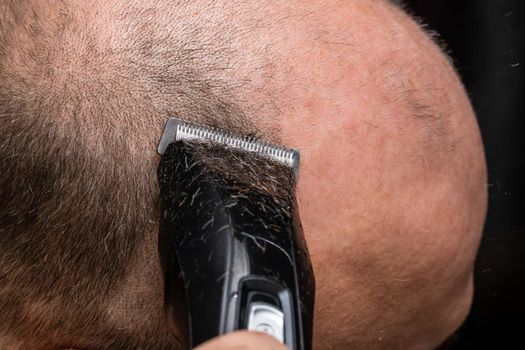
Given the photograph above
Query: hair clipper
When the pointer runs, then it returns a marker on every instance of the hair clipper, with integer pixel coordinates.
(230, 234)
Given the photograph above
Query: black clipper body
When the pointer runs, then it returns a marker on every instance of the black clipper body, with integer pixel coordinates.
(236, 241)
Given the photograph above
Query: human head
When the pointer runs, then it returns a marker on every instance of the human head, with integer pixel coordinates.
(391, 190)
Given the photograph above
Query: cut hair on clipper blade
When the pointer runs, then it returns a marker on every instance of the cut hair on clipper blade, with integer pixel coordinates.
(179, 130)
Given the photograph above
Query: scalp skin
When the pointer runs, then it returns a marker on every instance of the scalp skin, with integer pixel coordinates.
(392, 188)
(391, 191)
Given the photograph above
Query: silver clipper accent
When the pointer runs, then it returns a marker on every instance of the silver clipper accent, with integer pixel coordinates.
(268, 319)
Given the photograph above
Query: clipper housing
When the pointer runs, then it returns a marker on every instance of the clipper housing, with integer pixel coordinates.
(233, 238)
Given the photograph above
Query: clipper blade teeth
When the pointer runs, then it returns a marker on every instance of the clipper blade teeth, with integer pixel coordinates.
(179, 130)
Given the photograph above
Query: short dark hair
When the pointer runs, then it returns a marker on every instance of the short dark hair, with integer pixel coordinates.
(79, 122)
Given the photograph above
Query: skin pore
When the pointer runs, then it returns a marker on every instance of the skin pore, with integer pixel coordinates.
(391, 190)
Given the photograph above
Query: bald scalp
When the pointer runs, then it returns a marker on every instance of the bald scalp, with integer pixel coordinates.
(390, 186)
(393, 181)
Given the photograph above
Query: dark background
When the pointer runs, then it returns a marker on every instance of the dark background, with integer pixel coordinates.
(486, 39)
